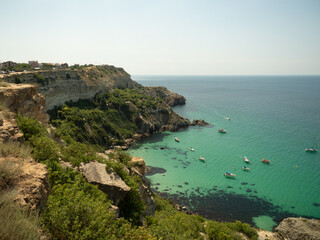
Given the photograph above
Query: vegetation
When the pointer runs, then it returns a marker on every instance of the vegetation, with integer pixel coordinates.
(106, 120)
(14, 149)
(19, 67)
(17, 222)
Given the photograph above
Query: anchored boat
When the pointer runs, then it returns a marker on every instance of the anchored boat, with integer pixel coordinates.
(229, 175)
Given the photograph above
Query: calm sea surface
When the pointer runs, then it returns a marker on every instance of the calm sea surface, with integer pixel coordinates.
(271, 117)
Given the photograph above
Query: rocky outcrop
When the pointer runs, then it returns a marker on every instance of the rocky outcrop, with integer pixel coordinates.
(171, 98)
(299, 229)
(144, 187)
(31, 182)
(25, 100)
(198, 122)
(9, 130)
(107, 181)
(60, 86)
(139, 164)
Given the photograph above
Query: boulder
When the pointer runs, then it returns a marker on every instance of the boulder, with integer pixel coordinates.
(299, 229)
(107, 181)
(139, 164)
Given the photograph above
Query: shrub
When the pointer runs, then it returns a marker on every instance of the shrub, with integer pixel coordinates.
(9, 171)
(44, 148)
(14, 149)
(30, 127)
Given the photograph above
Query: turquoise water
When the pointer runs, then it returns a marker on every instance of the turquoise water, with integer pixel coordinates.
(271, 117)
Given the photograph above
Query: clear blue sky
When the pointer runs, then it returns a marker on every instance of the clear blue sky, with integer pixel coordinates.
(170, 37)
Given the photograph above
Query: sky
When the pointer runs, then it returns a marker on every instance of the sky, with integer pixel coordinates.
(167, 37)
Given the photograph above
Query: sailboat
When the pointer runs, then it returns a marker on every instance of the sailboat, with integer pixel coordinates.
(313, 148)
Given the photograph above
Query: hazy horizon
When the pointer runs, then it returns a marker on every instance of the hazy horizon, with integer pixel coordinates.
(223, 38)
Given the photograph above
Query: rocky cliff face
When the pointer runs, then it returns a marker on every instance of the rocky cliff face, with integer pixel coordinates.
(19, 99)
(60, 86)
(25, 100)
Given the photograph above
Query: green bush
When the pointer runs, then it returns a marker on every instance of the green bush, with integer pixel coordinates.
(44, 148)
(30, 127)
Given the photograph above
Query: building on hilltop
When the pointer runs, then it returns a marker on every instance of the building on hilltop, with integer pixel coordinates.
(8, 64)
(34, 63)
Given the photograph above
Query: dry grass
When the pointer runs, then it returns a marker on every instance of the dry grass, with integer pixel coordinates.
(4, 84)
(17, 222)
(14, 149)
(9, 172)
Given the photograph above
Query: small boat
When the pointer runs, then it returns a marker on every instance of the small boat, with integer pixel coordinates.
(221, 130)
(163, 174)
(265, 161)
(311, 149)
(176, 139)
(229, 175)
(245, 168)
(228, 118)
(191, 149)
(201, 158)
(246, 159)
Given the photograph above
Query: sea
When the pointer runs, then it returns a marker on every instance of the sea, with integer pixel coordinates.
(271, 117)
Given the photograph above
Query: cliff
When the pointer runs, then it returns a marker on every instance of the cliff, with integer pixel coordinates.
(62, 85)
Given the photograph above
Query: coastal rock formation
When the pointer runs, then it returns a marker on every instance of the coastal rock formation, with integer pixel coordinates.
(299, 229)
(171, 98)
(31, 182)
(107, 181)
(198, 122)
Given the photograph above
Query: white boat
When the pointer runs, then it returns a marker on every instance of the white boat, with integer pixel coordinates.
(221, 130)
(246, 159)
(191, 149)
(313, 148)
(229, 175)
(176, 139)
(245, 168)
(201, 158)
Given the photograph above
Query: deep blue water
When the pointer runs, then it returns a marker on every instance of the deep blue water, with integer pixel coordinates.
(272, 117)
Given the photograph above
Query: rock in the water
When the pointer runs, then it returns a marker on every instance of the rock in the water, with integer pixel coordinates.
(107, 181)
(299, 229)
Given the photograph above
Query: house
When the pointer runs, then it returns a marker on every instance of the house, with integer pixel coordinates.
(8, 64)
(34, 64)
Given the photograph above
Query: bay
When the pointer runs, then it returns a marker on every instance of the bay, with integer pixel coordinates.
(272, 117)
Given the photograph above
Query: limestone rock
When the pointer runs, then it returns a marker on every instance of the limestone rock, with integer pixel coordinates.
(139, 164)
(299, 229)
(62, 85)
(25, 100)
(107, 181)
